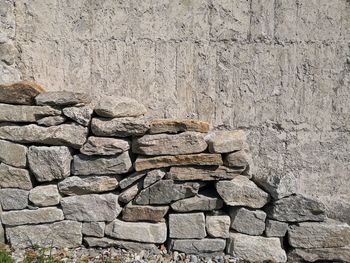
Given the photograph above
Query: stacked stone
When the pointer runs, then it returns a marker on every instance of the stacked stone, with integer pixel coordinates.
(104, 175)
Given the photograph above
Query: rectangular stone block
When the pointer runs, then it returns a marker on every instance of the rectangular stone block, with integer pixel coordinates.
(198, 246)
(189, 225)
(13, 154)
(11, 177)
(94, 229)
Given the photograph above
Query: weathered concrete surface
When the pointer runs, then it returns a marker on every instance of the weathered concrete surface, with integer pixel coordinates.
(270, 66)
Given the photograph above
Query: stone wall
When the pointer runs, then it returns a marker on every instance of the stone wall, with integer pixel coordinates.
(280, 69)
(102, 174)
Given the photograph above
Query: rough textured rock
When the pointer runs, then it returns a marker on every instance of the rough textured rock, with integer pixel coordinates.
(177, 126)
(202, 173)
(166, 191)
(22, 92)
(81, 115)
(296, 208)
(11, 177)
(119, 107)
(138, 231)
(145, 163)
(23, 113)
(66, 134)
(201, 202)
(13, 154)
(119, 127)
(104, 146)
(241, 159)
(64, 234)
(334, 254)
(94, 229)
(128, 245)
(49, 163)
(8, 74)
(129, 194)
(169, 144)
(45, 195)
(144, 213)
(38, 216)
(153, 176)
(198, 246)
(91, 208)
(189, 225)
(2, 234)
(275, 228)
(51, 121)
(255, 248)
(242, 192)
(62, 98)
(218, 225)
(226, 141)
(319, 234)
(130, 179)
(87, 165)
(75, 185)
(13, 199)
(8, 52)
(247, 221)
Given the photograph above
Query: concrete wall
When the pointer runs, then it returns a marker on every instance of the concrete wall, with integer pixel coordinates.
(279, 68)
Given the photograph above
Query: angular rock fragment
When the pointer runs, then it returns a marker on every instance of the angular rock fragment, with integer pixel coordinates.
(64, 234)
(119, 127)
(119, 107)
(39, 216)
(66, 134)
(333, 254)
(218, 225)
(22, 93)
(177, 126)
(104, 146)
(11, 177)
(136, 213)
(130, 193)
(49, 163)
(255, 248)
(75, 185)
(241, 158)
(62, 98)
(152, 177)
(13, 199)
(81, 115)
(128, 245)
(226, 141)
(201, 202)
(296, 208)
(189, 225)
(91, 208)
(45, 195)
(13, 154)
(198, 246)
(132, 178)
(87, 165)
(168, 144)
(202, 173)
(146, 163)
(275, 228)
(51, 121)
(247, 221)
(138, 231)
(94, 229)
(240, 191)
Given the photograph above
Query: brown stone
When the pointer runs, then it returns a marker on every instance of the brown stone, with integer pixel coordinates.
(202, 173)
(144, 213)
(176, 126)
(22, 92)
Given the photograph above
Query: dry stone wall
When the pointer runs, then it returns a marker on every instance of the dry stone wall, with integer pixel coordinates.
(101, 174)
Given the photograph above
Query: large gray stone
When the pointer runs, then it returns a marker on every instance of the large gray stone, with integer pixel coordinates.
(240, 191)
(198, 246)
(104, 146)
(65, 234)
(128, 245)
(62, 98)
(75, 185)
(218, 225)
(91, 208)
(13, 199)
(275, 228)
(113, 106)
(153, 176)
(45, 195)
(11, 177)
(200, 202)
(21, 113)
(72, 135)
(132, 178)
(247, 221)
(51, 121)
(94, 229)
(22, 92)
(13, 154)
(169, 144)
(119, 127)
(333, 254)
(137, 231)
(49, 163)
(177, 125)
(38, 216)
(81, 115)
(136, 213)
(226, 141)
(189, 225)
(296, 208)
(96, 165)
(255, 248)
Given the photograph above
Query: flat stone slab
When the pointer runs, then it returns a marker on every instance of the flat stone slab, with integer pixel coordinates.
(138, 231)
(119, 127)
(275, 228)
(101, 165)
(198, 246)
(218, 225)
(129, 194)
(131, 179)
(146, 163)
(51, 121)
(13, 199)
(91, 208)
(153, 176)
(169, 144)
(177, 125)
(22, 93)
(202, 173)
(64, 234)
(45, 195)
(247, 221)
(135, 213)
(11, 177)
(189, 225)
(62, 98)
(333, 254)
(81, 115)
(66, 134)
(104, 146)
(94, 229)
(13, 154)
(226, 141)
(128, 245)
(200, 202)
